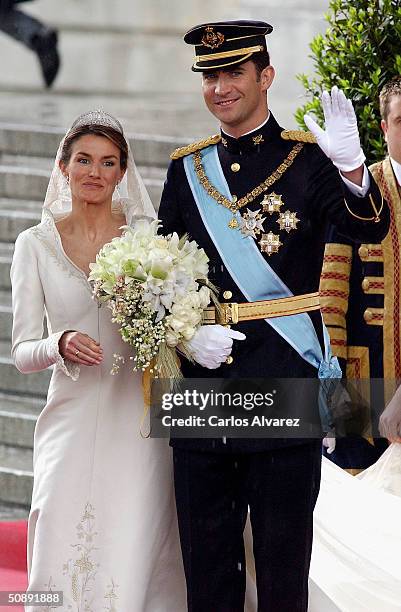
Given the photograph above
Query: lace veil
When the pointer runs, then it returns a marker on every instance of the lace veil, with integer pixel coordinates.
(131, 196)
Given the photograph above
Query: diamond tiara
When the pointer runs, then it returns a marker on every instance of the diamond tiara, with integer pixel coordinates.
(98, 117)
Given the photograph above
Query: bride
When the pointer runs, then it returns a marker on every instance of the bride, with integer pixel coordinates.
(102, 526)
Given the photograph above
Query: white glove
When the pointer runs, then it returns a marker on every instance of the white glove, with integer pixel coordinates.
(330, 443)
(212, 344)
(340, 140)
(390, 419)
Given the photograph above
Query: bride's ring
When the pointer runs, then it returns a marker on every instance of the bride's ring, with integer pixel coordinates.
(76, 353)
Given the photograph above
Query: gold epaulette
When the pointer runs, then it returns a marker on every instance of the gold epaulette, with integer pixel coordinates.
(298, 135)
(195, 146)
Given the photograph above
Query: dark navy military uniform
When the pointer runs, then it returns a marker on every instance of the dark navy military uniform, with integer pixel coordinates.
(361, 308)
(216, 480)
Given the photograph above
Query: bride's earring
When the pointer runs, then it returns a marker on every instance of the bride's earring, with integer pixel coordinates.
(117, 190)
(67, 179)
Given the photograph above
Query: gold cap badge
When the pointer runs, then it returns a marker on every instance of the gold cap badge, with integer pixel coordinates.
(212, 39)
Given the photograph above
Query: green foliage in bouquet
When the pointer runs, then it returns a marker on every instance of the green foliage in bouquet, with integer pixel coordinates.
(359, 53)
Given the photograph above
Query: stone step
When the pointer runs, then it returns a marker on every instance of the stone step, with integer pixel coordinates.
(39, 141)
(118, 62)
(13, 458)
(16, 475)
(20, 182)
(13, 512)
(130, 15)
(21, 404)
(15, 217)
(17, 421)
(6, 253)
(5, 316)
(16, 487)
(12, 381)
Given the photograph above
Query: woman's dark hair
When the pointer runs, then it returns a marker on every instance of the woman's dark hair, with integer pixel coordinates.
(96, 130)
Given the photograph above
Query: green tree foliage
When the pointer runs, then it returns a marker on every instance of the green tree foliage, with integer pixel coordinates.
(359, 53)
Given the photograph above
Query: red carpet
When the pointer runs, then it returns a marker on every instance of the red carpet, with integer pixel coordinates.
(13, 576)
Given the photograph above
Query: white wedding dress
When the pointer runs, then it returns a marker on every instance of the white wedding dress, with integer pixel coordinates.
(356, 554)
(356, 557)
(102, 526)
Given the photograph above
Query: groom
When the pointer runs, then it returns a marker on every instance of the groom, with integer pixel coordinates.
(257, 198)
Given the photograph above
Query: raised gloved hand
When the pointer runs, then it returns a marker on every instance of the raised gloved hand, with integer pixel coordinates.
(212, 344)
(330, 443)
(340, 139)
(390, 419)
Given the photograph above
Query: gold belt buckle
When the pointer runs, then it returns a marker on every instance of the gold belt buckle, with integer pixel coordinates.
(229, 313)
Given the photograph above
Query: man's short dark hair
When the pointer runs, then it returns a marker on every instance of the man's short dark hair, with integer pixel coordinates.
(390, 89)
(261, 61)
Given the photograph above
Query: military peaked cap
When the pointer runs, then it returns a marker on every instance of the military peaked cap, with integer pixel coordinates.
(224, 43)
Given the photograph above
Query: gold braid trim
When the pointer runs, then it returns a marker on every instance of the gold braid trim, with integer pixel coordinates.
(252, 195)
(195, 146)
(298, 135)
(338, 341)
(334, 285)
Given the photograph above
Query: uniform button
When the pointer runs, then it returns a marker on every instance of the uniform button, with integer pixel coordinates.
(365, 284)
(363, 252)
(235, 167)
(227, 295)
(229, 360)
(368, 315)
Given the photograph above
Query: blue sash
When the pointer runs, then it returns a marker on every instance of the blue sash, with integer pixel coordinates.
(250, 271)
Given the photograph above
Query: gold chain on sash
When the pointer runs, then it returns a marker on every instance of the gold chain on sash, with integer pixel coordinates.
(235, 205)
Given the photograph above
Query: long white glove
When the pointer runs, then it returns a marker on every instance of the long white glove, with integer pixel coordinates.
(390, 419)
(212, 344)
(340, 140)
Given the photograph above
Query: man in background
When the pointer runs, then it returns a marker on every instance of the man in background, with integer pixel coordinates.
(34, 35)
(361, 293)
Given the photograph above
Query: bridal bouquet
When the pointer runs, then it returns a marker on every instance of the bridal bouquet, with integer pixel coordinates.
(156, 288)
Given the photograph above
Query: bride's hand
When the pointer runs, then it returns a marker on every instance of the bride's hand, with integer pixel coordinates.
(80, 348)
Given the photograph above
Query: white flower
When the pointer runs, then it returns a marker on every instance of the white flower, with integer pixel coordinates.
(151, 284)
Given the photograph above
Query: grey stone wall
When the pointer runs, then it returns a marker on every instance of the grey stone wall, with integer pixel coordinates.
(134, 47)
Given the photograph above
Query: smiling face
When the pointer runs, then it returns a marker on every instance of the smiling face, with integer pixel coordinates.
(93, 169)
(237, 96)
(391, 127)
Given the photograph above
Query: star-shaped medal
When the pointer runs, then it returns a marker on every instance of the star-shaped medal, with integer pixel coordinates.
(252, 223)
(270, 243)
(272, 203)
(288, 221)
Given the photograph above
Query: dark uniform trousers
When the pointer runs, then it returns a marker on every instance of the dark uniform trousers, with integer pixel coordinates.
(24, 28)
(213, 495)
(216, 480)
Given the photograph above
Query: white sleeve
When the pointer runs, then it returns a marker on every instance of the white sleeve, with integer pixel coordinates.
(359, 190)
(30, 351)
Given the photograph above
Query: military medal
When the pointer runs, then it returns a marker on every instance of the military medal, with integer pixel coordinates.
(270, 243)
(272, 203)
(288, 221)
(252, 223)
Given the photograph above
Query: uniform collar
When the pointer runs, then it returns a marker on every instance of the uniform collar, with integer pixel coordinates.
(396, 169)
(254, 141)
